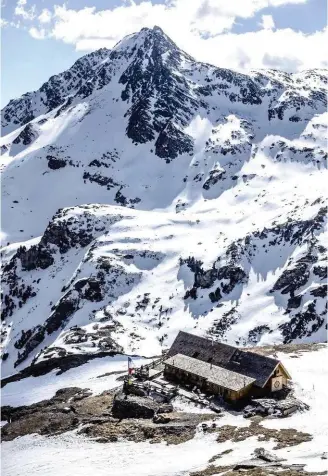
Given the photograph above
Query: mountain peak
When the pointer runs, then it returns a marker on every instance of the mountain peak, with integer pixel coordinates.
(155, 29)
(158, 29)
(148, 39)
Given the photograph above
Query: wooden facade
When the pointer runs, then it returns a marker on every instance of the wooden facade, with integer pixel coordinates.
(207, 377)
(181, 376)
(276, 382)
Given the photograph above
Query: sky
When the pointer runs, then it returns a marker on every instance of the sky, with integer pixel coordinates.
(41, 38)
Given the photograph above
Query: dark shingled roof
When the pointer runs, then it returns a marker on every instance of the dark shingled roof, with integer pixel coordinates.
(252, 365)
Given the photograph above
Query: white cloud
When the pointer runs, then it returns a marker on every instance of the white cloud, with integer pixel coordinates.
(38, 34)
(92, 44)
(21, 11)
(45, 16)
(267, 22)
(210, 17)
(3, 22)
(201, 28)
(279, 62)
(280, 49)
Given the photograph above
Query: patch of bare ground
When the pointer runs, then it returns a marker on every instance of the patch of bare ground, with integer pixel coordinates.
(283, 437)
(74, 408)
(212, 470)
(229, 471)
(295, 349)
(64, 412)
(180, 428)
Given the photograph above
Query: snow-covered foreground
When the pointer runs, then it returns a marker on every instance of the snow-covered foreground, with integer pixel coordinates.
(64, 456)
(70, 454)
(309, 372)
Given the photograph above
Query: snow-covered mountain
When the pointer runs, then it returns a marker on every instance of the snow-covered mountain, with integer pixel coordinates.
(144, 192)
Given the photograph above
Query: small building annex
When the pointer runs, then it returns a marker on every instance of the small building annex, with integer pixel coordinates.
(223, 369)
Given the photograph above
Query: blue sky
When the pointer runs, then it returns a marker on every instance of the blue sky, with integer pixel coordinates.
(44, 37)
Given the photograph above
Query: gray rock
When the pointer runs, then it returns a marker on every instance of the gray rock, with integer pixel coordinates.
(266, 455)
(215, 408)
(250, 464)
(165, 408)
(161, 418)
(295, 467)
(132, 406)
(275, 408)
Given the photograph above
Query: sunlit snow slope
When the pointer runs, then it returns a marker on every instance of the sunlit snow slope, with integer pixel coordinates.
(205, 192)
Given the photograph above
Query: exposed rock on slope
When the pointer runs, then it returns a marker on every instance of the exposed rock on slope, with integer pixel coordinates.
(219, 177)
(112, 302)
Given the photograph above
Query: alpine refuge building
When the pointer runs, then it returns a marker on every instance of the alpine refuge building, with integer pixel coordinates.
(222, 369)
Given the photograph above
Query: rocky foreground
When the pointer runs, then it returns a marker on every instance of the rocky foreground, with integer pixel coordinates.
(101, 417)
(111, 416)
(107, 426)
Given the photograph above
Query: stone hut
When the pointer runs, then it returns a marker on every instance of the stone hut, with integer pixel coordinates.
(223, 369)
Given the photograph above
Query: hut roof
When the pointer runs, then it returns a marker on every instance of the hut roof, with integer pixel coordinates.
(212, 373)
(255, 366)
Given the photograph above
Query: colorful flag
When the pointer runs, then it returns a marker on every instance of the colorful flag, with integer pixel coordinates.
(131, 366)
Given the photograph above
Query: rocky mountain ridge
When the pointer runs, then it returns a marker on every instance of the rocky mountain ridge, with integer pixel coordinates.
(213, 217)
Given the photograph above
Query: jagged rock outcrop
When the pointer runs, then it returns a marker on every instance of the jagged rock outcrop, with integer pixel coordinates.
(26, 136)
(55, 163)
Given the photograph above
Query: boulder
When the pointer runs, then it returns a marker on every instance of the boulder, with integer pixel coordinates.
(262, 458)
(215, 408)
(265, 455)
(165, 408)
(162, 418)
(249, 464)
(132, 406)
(274, 408)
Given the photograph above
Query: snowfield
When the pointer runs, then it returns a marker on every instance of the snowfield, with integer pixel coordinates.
(190, 198)
(309, 372)
(62, 455)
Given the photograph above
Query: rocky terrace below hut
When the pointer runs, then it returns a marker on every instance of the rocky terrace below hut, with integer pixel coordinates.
(82, 418)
